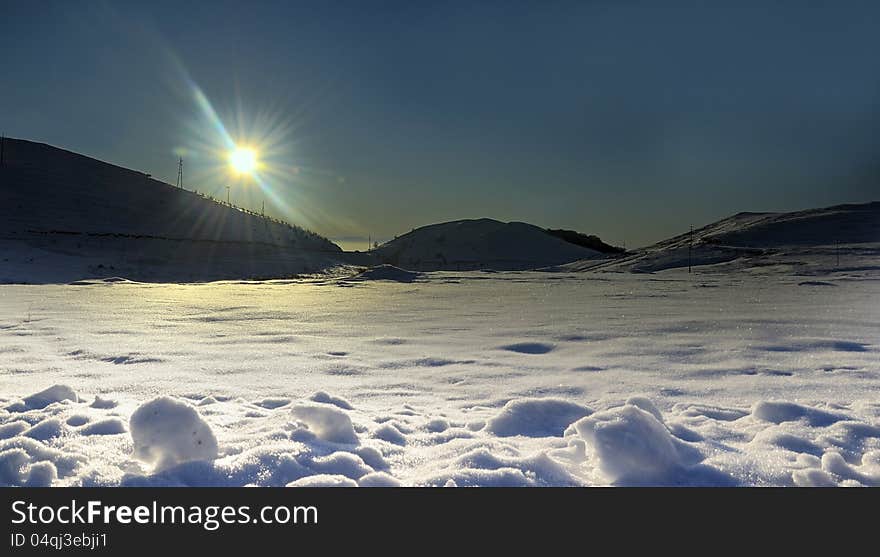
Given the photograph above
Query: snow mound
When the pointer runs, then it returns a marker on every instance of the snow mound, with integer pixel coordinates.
(437, 425)
(834, 470)
(167, 431)
(45, 430)
(631, 446)
(29, 462)
(372, 457)
(273, 403)
(391, 434)
(378, 479)
(77, 420)
(55, 393)
(325, 398)
(342, 464)
(324, 480)
(489, 466)
(11, 429)
(779, 412)
(647, 405)
(15, 470)
(536, 417)
(110, 426)
(326, 422)
(387, 272)
(103, 403)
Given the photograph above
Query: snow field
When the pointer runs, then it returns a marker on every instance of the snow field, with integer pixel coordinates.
(460, 379)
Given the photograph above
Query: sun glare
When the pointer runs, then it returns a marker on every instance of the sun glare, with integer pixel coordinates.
(243, 160)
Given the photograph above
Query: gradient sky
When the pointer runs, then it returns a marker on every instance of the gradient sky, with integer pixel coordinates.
(630, 120)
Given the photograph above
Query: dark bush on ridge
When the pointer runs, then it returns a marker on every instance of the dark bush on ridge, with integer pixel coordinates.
(584, 240)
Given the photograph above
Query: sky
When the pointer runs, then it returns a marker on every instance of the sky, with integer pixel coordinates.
(630, 120)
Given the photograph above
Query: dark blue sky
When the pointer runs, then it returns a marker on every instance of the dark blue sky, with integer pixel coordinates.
(630, 120)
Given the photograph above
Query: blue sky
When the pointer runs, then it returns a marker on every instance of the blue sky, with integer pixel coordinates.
(630, 120)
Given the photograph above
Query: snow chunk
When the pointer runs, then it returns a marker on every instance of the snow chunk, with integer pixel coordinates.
(391, 434)
(103, 403)
(17, 468)
(536, 417)
(41, 474)
(378, 479)
(55, 393)
(325, 398)
(647, 405)
(372, 457)
(867, 474)
(813, 477)
(631, 446)
(11, 464)
(110, 426)
(167, 431)
(327, 423)
(33, 452)
(341, 464)
(323, 480)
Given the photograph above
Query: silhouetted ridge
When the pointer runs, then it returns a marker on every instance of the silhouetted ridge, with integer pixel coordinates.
(44, 188)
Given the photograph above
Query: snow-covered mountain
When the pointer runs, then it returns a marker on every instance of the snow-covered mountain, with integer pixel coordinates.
(480, 244)
(815, 237)
(65, 216)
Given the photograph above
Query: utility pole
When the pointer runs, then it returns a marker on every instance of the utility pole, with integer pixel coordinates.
(369, 242)
(180, 173)
(690, 248)
(227, 196)
(263, 209)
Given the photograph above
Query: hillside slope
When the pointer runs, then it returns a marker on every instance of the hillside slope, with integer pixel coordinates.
(43, 188)
(65, 216)
(479, 244)
(800, 238)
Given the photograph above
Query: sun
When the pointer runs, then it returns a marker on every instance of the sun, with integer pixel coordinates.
(243, 160)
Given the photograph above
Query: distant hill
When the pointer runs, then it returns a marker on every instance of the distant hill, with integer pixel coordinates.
(479, 244)
(65, 216)
(760, 239)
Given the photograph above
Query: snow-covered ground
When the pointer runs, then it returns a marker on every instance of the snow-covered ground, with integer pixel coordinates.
(729, 376)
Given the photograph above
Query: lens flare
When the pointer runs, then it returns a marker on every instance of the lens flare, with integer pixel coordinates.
(243, 160)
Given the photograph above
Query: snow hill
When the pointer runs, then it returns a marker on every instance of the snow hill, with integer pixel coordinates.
(839, 237)
(479, 244)
(65, 216)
